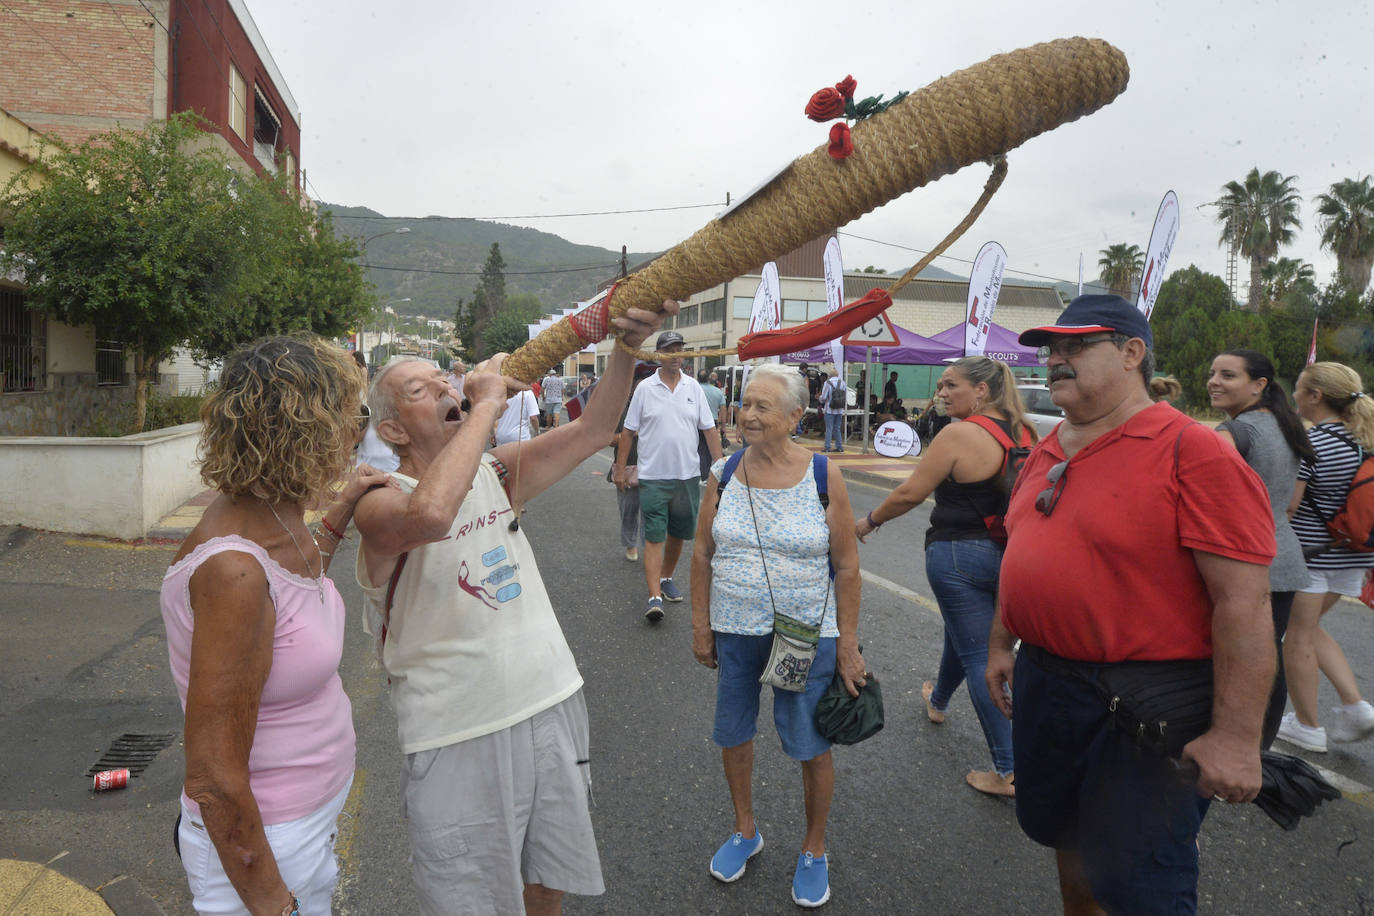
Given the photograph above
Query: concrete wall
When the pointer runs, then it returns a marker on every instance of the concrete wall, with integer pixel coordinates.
(65, 408)
(117, 488)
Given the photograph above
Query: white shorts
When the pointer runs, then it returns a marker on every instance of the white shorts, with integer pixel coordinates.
(1346, 582)
(303, 848)
(489, 815)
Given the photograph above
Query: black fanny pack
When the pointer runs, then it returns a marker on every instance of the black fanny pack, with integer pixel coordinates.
(1160, 706)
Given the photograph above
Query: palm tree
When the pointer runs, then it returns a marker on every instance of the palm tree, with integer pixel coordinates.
(1258, 216)
(1347, 220)
(1286, 277)
(1120, 267)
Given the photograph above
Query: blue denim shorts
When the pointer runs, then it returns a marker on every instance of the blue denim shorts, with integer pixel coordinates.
(741, 660)
(1084, 786)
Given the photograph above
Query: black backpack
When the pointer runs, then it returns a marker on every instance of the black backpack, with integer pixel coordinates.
(838, 397)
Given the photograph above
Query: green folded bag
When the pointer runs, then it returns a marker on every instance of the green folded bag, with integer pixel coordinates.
(843, 719)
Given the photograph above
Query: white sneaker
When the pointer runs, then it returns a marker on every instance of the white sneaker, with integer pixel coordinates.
(1353, 722)
(1307, 737)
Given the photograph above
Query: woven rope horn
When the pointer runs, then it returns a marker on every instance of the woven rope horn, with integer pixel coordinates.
(966, 117)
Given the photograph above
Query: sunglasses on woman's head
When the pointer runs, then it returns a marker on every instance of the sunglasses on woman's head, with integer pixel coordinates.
(1049, 497)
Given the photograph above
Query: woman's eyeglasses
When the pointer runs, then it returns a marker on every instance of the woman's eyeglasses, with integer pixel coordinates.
(1049, 497)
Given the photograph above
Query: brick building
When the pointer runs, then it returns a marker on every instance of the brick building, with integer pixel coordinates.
(78, 67)
(74, 68)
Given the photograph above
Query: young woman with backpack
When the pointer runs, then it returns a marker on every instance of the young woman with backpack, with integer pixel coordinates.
(1331, 397)
(968, 466)
(1269, 435)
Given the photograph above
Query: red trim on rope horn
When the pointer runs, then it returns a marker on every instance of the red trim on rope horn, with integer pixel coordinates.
(815, 332)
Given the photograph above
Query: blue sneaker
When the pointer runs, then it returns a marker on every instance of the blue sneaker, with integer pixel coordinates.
(811, 883)
(733, 856)
(670, 591)
(654, 613)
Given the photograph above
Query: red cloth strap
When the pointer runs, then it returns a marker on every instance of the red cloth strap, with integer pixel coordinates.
(815, 332)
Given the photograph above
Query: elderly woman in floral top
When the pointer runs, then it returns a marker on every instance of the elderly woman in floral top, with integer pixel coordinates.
(769, 517)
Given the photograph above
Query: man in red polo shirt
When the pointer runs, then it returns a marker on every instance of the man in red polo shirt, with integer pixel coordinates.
(1135, 534)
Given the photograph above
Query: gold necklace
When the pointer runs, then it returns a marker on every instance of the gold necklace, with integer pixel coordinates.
(319, 583)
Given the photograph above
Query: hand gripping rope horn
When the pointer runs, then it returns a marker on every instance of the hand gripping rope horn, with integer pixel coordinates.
(974, 115)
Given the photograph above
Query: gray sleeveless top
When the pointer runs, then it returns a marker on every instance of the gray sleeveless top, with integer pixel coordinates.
(1277, 466)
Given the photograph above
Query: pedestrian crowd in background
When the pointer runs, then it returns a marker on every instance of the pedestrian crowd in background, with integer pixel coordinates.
(1213, 593)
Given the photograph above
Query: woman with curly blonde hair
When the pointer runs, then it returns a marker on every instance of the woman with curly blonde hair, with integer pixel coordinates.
(1331, 397)
(255, 631)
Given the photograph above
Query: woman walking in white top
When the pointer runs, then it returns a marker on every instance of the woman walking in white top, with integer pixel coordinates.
(1331, 397)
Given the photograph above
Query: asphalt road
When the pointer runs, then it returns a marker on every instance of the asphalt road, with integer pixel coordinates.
(85, 661)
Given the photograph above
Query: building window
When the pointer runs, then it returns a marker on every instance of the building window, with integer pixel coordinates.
(794, 310)
(744, 306)
(23, 345)
(687, 317)
(238, 103)
(817, 309)
(266, 132)
(713, 312)
(109, 364)
(669, 322)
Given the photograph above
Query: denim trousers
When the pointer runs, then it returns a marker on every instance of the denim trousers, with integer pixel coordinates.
(834, 429)
(963, 576)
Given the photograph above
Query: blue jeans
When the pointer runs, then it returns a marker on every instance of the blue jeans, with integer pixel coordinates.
(963, 576)
(834, 428)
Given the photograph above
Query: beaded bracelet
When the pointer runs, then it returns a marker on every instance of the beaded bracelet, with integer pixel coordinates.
(874, 525)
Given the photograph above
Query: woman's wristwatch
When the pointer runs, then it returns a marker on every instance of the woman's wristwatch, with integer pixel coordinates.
(293, 908)
(872, 524)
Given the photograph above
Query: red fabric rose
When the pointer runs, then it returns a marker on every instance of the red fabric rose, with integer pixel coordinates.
(841, 146)
(847, 86)
(825, 105)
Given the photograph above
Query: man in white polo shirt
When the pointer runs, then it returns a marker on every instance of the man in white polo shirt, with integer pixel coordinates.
(665, 414)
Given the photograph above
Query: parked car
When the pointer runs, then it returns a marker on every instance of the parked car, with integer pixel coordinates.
(1043, 412)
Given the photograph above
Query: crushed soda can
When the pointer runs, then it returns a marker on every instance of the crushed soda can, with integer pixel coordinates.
(111, 779)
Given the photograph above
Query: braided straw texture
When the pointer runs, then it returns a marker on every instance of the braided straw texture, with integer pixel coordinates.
(966, 117)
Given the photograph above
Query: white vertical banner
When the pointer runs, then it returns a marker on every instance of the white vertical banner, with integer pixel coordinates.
(1080, 273)
(1157, 257)
(834, 296)
(767, 312)
(533, 330)
(984, 286)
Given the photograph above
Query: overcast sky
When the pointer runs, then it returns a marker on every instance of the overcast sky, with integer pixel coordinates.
(423, 107)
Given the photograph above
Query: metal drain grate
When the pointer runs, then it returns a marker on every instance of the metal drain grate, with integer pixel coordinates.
(133, 752)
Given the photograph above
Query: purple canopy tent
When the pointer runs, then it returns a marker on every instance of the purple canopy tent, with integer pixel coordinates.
(1001, 345)
(912, 350)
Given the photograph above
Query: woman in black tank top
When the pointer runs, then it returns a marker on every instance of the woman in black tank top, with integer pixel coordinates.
(964, 468)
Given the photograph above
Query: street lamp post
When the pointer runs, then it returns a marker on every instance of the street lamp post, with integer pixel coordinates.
(372, 238)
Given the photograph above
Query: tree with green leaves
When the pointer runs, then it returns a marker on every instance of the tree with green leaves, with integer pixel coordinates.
(1346, 217)
(1258, 216)
(294, 273)
(463, 332)
(1289, 283)
(488, 299)
(508, 328)
(1121, 266)
(156, 242)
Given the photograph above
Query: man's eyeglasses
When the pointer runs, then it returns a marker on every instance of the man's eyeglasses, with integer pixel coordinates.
(1068, 347)
(364, 418)
(1049, 497)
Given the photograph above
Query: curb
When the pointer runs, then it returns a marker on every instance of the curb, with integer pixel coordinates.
(76, 883)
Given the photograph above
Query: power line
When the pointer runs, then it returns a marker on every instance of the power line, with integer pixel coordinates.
(528, 215)
(1024, 273)
(74, 64)
(152, 51)
(478, 273)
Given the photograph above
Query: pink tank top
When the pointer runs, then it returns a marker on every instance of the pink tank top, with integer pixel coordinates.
(303, 748)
